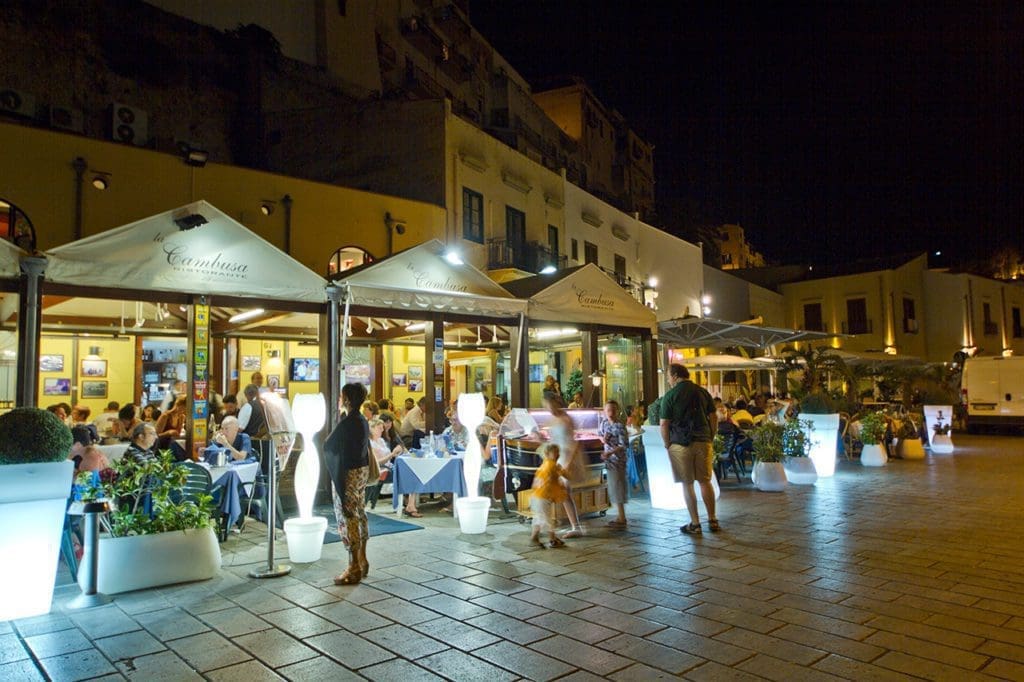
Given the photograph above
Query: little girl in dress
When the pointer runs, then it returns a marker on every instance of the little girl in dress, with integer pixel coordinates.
(548, 491)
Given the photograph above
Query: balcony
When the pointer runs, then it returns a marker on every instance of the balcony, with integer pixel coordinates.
(632, 286)
(421, 83)
(529, 257)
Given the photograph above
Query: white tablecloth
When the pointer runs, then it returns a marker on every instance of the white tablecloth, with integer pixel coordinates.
(247, 472)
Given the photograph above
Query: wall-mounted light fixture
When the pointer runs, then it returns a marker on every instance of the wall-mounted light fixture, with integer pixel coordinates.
(597, 377)
(273, 353)
(267, 206)
(101, 181)
(94, 353)
(193, 156)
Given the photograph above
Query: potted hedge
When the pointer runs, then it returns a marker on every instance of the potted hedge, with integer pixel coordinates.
(35, 482)
(872, 433)
(768, 474)
(173, 541)
(796, 450)
(910, 444)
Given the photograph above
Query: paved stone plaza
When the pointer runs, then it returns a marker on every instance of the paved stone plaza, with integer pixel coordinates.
(912, 570)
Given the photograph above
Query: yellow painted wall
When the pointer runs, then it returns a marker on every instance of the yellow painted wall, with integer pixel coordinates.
(397, 360)
(36, 175)
(119, 355)
(276, 366)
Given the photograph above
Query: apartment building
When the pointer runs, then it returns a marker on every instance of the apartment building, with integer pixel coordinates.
(737, 252)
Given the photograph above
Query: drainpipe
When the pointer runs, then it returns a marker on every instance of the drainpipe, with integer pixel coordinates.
(286, 202)
(80, 166)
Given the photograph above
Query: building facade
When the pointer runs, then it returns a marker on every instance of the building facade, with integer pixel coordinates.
(736, 251)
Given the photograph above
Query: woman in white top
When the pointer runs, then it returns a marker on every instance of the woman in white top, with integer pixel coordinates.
(570, 458)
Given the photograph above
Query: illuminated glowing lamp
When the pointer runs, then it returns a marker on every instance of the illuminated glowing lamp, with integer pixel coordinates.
(823, 436)
(305, 534)
(472, 510)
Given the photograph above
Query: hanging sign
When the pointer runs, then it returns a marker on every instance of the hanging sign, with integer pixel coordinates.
(200, 375)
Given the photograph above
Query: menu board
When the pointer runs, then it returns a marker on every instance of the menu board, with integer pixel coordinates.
(200, 375)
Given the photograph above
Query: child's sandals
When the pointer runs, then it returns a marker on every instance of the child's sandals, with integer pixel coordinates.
(537, 542)
(556, 542)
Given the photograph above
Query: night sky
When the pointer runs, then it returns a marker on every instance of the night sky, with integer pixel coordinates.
(829, 131)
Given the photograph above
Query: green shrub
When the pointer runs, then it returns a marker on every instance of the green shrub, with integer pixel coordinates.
(795, 442)
(816, 403)
(768, 441)
(872, 428)
(29, 435)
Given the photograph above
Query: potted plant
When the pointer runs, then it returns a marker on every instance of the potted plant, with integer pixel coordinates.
(769, 474)
(816, 406)
(872, 431)
(171, 542)
(796, 449)
(35, 481)
(909, 435)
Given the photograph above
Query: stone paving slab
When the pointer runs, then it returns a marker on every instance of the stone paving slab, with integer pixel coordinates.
(913, 570)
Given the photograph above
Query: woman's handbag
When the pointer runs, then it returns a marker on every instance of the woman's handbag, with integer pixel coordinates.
(374, 473)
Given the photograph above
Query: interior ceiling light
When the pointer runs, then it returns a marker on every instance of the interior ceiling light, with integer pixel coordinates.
(246, 315)
(416, 327)
(454, 258)
(549, 333)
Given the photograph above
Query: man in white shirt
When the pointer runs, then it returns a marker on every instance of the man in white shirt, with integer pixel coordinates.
(414, 425)
(105, 422)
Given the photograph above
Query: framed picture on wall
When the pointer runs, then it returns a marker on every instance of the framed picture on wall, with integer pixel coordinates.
(95, 368)
(250, 363)
(415, 385)
(94, 389)
(51, 363)
(57, 386)
(536, 374)
(415, 372)
(274, 382)
(398, 379)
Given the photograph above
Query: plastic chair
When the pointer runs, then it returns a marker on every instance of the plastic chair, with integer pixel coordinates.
(200, 483)
(729, 460)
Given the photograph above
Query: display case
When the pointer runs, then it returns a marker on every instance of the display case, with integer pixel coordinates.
(521, 434)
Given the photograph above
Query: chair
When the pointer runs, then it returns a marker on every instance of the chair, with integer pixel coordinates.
(199, 483)
(728, 459)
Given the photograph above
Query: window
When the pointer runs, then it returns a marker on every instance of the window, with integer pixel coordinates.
(575, 247)
(620, 267)
(472, 215)
(590, 253)
(812, 317)
(553, 240)
(991, 328)
(16, 227)
(909, 316)
(1017, 331)
(857, 316)
(515, 227)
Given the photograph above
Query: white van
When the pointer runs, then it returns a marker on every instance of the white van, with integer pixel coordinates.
(993, 392)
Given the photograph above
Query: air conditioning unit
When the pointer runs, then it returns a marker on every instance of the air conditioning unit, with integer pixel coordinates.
(129, 125)
(67, 118)
(17, 103)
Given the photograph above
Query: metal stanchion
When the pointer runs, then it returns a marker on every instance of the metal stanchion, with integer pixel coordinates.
(90, 558)
(272, 570)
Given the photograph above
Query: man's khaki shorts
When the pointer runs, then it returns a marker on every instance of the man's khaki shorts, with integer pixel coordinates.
(691, 462)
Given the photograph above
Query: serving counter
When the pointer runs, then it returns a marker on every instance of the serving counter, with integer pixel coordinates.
(518, 460)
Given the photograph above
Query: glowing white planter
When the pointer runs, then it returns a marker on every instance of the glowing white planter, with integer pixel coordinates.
(801, 471)
(305, 538)
(942, 444)
(140, 561)
(771, 477)
(665, 492)
(873, 456)
(823, 440)
(938, 414)
(33, 498)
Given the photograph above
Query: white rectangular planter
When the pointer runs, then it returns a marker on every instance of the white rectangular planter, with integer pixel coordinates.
(140, 561)
(33, 500)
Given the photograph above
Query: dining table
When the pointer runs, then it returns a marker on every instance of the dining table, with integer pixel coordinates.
(427, 474)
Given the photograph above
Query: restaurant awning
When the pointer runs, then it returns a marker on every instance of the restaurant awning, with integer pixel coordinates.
(700, 332)
(195, 249)
(422, 279)
(10, 260)
(582, 295)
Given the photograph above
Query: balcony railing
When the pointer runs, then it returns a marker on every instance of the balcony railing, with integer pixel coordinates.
(528, 257)
(635, 288)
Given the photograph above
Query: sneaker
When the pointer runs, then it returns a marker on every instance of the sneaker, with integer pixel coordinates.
(573, 533)
(690, 529)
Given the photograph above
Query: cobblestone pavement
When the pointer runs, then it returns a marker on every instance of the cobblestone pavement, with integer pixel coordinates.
(911, 570)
